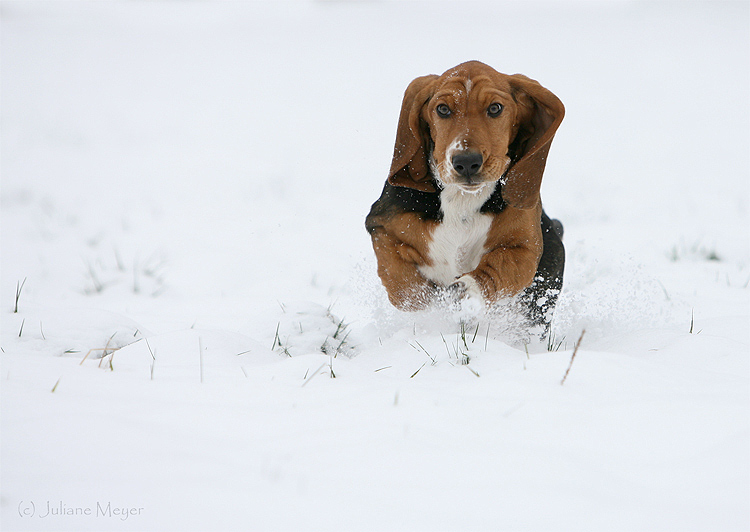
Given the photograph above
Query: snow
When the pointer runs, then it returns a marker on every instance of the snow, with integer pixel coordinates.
(185, 186)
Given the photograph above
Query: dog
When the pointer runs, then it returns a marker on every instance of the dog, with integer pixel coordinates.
(460, 218)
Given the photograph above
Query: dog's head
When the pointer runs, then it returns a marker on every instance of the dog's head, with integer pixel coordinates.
(473, 126)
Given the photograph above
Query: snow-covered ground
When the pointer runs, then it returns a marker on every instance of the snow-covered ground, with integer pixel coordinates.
(184, 185)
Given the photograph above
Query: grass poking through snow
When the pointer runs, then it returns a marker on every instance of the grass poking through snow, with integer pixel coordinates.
(276, 340)
(19, 287)
(472, 370)
(553, 344)
(433, 360)
(314, 374)
(420, 368)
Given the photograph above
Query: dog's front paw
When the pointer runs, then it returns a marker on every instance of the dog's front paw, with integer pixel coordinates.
(455, 291)
(466, 287)
(466, 297)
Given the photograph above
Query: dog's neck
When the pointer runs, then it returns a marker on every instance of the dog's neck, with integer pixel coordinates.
(456, 202)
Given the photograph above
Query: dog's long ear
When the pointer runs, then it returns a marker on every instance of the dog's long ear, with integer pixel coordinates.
(540, 114)
(409, 167)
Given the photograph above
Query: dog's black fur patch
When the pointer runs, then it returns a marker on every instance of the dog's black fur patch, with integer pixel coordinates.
(397, 200)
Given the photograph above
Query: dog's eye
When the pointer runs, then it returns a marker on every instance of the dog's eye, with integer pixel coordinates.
(494, 110)
(443, 110)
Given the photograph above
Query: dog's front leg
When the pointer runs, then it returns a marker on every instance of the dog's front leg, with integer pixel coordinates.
(397, 267)
(503, 272)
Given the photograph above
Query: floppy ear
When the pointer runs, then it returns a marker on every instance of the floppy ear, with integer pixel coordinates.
(409, 167)
(540, 114)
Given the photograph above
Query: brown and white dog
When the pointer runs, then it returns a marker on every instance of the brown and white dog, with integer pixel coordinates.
(460, 217)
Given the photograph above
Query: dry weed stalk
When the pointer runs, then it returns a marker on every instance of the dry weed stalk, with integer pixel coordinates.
(575, 350)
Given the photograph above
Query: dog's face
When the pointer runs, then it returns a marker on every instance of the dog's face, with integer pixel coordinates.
(472, 126)
(472, 120)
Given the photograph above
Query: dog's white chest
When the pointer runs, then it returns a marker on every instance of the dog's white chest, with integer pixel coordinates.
(458, 242)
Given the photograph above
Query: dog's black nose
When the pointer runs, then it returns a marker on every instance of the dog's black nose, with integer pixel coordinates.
(467, 163)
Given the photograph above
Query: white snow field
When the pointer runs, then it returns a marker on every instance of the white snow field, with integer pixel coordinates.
(184, 186)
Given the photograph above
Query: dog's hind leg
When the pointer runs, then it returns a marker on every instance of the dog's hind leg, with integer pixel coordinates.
(540, 298)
